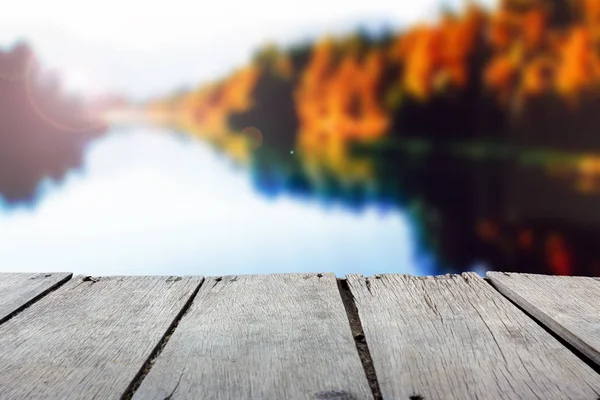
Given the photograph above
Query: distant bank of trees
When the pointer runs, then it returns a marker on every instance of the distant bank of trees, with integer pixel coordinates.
(43, 132)
(528, 70)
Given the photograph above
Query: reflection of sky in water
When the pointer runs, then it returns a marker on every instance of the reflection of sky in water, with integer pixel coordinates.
(149, 203)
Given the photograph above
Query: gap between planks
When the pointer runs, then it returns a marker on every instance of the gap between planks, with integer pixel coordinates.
(145, 369)
(584, 358)
(37, 298)
(360, 340)
(355, 326)
(353, 321)
(357, 332)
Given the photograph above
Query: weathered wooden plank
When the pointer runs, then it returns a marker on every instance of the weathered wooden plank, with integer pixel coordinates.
(260, 337)
(569, 306)
(456, 337)
(89, 338)
(18, 290)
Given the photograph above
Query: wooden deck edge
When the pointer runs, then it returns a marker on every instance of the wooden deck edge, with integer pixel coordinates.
(37, 298)
(354, 322)
(539, 320)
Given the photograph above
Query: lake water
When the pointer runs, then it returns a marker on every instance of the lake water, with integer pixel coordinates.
(148, 201)
(153, 201)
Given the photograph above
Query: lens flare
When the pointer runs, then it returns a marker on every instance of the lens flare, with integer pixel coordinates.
(79, 82)
(89, 122)
(254, 135)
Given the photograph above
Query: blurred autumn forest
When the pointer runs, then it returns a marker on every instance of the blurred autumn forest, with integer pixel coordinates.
(481, 125)
(384, 119)
(530, 69)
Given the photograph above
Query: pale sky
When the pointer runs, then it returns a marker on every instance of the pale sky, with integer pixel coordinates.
(147, 47)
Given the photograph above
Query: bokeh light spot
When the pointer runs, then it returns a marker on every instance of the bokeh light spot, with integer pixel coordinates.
(87, 122)
(254, 135)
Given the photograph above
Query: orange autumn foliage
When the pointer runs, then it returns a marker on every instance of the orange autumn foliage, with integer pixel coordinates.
(210, 106)
(340, 100)
(530, 56)
(537, 76)
(591, 12)
(577, 65)
(534, 25)
(435, 57)
(500, 74)
(516, 52)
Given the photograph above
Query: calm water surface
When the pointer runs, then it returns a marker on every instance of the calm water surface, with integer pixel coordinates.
(151, 202)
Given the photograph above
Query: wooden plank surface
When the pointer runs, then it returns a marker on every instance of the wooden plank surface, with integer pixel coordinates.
(260, 337)
(456, 337)
(19, 290)
(89, 338)
(569, 306)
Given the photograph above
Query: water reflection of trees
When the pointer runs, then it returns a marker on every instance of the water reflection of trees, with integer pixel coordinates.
(523, 76)
(463, 210)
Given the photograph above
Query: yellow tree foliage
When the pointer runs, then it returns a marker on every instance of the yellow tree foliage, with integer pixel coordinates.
(530, 57)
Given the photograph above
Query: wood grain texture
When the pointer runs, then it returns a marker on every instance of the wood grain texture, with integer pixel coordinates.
(260, 337)
(569, 306)
(89, 338)
(19, 290)
(456, 337)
